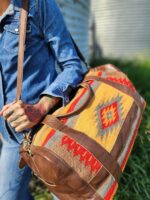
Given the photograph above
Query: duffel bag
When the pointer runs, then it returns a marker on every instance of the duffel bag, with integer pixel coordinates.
(81, 150)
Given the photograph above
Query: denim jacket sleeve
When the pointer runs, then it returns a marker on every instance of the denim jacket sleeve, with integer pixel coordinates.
(58, 38)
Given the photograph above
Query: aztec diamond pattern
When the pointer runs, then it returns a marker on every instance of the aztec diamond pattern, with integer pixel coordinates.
(110, 115)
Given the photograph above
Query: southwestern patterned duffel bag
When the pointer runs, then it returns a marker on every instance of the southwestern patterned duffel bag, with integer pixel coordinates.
(81, 150)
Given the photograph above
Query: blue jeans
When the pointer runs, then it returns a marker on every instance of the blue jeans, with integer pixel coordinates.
(13, 181)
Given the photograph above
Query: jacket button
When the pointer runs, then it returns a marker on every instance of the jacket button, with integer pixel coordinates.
(16, 29)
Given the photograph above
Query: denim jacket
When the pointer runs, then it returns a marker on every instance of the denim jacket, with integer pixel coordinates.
(47, 42)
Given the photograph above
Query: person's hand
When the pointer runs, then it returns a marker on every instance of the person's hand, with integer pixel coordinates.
(22, 116)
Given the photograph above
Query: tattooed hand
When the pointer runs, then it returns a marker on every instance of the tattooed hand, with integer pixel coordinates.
(22, 116)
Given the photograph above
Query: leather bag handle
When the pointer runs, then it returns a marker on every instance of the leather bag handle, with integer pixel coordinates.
(89, 96)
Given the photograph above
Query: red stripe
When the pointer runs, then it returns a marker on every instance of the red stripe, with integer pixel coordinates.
(111, 191)
(78, 99)
(52, 132)
(131, 144)
(72, 106)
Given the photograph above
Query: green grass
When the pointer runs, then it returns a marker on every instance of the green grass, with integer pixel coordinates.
(135, 182)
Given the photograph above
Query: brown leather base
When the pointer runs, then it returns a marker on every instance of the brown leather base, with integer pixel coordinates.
(60, 176)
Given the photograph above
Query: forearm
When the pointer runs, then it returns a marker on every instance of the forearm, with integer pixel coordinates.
(47, 102)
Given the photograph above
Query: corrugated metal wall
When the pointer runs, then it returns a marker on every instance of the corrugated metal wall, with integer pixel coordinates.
(122, 27)
(76, 14)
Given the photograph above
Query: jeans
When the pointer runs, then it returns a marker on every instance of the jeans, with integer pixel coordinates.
(13, 181)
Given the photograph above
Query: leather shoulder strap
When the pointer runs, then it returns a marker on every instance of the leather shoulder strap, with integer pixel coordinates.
(22, 37)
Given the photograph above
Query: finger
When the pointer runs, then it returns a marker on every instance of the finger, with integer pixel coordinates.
(16, 115)
(23, 127)
(12, 118)
(19, 121)
(6, 107)
(3, 109)
(11, 110)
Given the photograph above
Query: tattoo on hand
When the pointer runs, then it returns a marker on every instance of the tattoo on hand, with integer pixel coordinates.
(34, 115)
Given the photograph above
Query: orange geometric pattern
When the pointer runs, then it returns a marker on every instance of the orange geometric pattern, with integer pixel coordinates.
(95, 127)
(110, 115)
(84, 155)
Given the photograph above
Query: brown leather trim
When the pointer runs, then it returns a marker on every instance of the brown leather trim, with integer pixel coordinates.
(125, 131)
(103, 68)
(100, 178)
(53, 122)
(120, 87)
(99, 152)
(64, 191)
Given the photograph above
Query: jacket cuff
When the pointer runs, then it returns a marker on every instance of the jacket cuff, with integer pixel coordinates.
(59, 90)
